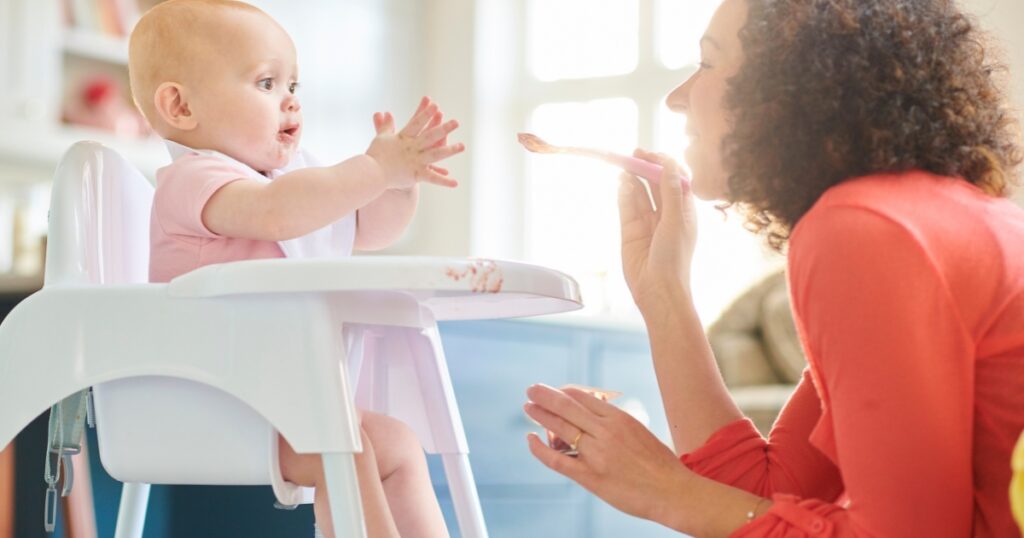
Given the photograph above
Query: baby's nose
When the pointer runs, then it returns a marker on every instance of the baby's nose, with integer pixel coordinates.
(291, 104)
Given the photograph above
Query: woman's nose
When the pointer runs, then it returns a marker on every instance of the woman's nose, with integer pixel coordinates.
(678, 100)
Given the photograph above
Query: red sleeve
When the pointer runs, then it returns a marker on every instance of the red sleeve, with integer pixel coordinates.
(784, 463)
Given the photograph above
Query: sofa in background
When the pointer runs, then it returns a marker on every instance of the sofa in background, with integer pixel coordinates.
(758, 350)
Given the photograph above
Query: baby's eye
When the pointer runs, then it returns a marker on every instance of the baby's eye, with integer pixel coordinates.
(293, 87)
(266, 84)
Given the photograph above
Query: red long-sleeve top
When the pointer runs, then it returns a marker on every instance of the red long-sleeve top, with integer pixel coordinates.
(908, 295)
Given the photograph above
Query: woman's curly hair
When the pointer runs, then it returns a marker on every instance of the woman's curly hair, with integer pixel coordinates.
(831, 90)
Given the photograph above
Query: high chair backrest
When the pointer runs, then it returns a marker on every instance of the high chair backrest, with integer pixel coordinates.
(99, 219)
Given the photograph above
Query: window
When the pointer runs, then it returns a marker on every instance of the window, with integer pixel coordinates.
(591, 73)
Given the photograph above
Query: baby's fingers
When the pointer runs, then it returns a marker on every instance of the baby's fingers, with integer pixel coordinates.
(432, 176)
(434, 155)
(383, 122)
(424, 101)
(420, 119)
(435, 120)
(432, 136)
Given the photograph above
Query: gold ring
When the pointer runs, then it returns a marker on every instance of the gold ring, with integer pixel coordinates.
(576, 441)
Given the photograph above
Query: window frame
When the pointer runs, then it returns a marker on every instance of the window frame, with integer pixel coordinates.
(506, 94)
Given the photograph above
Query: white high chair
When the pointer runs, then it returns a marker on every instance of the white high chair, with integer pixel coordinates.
(194, 378)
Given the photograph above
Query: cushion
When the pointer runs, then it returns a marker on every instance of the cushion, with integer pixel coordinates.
(780, 337)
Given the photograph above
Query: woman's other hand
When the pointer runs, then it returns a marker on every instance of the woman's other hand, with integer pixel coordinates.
(619, 459)
(657, 244)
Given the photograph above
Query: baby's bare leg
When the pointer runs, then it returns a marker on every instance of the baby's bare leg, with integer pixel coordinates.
(403, 470)
(307, 470)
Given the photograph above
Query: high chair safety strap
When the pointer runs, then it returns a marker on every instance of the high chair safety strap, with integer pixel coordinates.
(64, 439)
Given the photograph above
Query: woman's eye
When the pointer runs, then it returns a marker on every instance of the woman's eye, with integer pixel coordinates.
(266, 84)
(293, 87)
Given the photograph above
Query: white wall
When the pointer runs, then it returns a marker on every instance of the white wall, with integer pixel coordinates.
(443, 223)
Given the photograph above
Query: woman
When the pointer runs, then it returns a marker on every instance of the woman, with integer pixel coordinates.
(871, 140)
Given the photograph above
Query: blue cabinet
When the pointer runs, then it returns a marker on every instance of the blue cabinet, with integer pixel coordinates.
(491, 364)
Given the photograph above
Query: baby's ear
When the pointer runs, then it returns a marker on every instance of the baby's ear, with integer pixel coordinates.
(172, 106)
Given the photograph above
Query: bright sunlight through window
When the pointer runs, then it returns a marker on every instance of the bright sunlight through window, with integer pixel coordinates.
(624, 56)
(581, 38)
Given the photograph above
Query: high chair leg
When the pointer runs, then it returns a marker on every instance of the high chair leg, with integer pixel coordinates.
(343, 494)
(446, 423)
(131, 516)
(404, 374)
(462, 488)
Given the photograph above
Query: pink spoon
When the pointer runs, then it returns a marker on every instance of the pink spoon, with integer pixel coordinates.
(638, 167)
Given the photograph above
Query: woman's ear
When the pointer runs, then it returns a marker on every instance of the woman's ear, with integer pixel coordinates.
(172, 106)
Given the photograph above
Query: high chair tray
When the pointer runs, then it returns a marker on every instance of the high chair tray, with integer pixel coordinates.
(452, 288)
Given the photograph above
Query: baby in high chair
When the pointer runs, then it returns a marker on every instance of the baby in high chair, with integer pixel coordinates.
(217, 79)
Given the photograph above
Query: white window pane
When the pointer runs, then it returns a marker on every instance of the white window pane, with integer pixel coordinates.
(581, 38)
(571, 213)
(679, 27)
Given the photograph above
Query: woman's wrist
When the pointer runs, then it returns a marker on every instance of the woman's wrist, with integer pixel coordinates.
(661, 304)
(700, 506)
(671, 509)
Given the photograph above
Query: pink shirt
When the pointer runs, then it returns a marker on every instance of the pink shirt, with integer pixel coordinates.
(908, 294)
(179, 241)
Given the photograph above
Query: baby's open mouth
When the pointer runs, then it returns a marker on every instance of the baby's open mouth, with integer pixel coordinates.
(288, 134)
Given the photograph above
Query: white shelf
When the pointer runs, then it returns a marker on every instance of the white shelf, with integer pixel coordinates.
(34, 144)
(106, 48)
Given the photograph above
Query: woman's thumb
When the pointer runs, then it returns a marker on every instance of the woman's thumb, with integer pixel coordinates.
(674, 188)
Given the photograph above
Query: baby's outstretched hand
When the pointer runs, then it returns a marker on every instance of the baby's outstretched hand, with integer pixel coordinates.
(409, 156)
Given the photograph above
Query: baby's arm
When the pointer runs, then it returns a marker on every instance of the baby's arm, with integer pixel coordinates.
(306, 200)
(382, 221)
(295, 203)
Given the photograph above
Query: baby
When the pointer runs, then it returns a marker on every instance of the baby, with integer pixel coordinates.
(217, 79)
